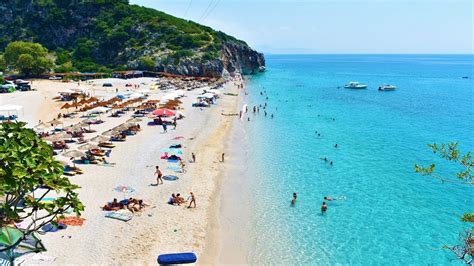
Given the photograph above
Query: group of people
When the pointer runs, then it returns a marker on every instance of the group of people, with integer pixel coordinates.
(177, 199)
(324, 206)
(132, 204)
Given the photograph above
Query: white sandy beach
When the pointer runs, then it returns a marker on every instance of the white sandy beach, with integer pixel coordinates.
(160, 228)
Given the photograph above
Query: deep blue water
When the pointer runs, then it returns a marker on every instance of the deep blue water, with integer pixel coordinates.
(391, 214)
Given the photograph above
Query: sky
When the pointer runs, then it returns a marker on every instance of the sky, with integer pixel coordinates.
(335, 26)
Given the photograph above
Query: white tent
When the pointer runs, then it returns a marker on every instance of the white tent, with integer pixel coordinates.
(136, 95)
(11, 108)
(98, 110)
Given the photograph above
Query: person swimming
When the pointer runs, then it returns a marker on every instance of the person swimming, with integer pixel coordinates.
(293, 201)
(329, 198)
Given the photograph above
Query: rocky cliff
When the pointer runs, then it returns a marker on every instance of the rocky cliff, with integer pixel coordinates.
(103, 35)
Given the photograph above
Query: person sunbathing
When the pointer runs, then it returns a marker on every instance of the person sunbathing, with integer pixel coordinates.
(113, 206)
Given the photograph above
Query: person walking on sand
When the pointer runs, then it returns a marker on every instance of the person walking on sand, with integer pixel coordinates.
(182, 165)
(175, 123)
(222, 157)
(324, 208)
(164, 128)
(192, 200)
(193, 156)
(159, 175)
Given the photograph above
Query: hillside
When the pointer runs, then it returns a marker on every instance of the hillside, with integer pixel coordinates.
(103, 35)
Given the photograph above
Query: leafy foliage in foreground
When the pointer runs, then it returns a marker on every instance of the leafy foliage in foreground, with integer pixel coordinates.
(450, 152)
(28, 172)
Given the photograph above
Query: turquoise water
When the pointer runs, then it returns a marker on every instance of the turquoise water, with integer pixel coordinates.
(391, 214)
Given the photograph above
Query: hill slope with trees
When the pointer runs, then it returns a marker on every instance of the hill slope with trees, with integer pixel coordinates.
(103, 35)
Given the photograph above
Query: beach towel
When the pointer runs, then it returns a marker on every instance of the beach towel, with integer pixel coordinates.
(177, 258)
(119, 216)
(170, 177)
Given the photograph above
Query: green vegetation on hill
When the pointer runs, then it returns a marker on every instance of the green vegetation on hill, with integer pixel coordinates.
(102, 35)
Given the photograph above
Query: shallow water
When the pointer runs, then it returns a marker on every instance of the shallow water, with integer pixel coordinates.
(390, 214)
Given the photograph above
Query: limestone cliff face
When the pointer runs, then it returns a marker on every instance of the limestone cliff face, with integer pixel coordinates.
(234, 58)
(112, 34)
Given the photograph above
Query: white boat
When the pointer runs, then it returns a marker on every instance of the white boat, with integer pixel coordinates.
(387, 88)
(355, 85)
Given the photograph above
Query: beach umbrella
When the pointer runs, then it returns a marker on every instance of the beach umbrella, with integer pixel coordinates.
(164, 112)
(124, 189)
(74, 154)
(172, 151)
(58, 136)
(134, 120)
(92, 99)
(23, 244)
(88, 146)
(42, 125)
(66, 106)
(100, 139)
(55, 122)
(111, 133)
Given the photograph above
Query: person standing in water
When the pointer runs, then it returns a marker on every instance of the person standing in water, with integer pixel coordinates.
(293, 201)
(324, 208)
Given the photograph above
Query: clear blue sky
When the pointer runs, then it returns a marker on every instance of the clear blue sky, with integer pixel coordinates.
(335, 26)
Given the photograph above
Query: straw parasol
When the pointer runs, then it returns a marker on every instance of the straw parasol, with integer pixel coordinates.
(66, 106)
(55, 122)
(100, 138)
(134, 120)
(110, 133)
(74, 154)
(88, 146)
(58, 137)
(42, 125)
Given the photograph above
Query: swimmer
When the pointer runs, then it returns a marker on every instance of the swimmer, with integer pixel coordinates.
(293, 201)
(330, 163)
(335, 146)
(324, 208)
(329, 198)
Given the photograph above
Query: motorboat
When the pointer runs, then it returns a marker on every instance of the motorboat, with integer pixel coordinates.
(387, 88)
(355, 85)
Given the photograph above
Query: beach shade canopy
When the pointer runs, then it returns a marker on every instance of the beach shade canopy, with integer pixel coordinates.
(74, 128)
(92, 99)
(172, 151)
(208, 95)
(74, 154)
(111, 133)
(164, 112)
(134, 120)
(100, 138)
(42, 125)
(88, 146)
(66, 106)
(10, 236)
(55, 122)
(58, 136)
(98, 110)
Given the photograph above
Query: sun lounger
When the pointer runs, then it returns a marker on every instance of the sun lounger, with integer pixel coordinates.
(177, 258)
(119, 216)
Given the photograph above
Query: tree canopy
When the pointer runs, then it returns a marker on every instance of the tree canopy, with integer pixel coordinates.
(28, 58)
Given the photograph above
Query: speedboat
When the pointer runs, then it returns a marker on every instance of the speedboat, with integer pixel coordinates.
(355, 85)
(387, 88)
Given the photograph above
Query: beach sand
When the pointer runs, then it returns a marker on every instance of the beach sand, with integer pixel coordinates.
(160, 228)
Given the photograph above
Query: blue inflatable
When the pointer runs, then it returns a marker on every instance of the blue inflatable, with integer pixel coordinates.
(177, 258)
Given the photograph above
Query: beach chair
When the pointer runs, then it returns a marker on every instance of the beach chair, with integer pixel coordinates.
(177, 258)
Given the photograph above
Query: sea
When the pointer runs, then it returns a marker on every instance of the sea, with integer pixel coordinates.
(385, 212)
